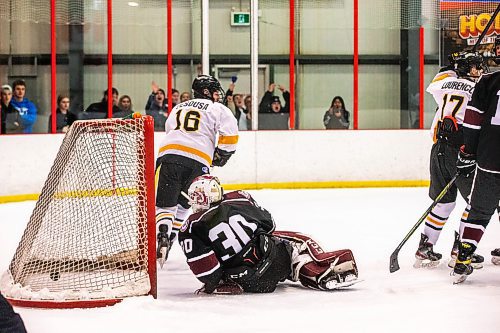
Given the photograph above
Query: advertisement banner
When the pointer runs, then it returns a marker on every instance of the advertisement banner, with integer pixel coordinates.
(462, 22)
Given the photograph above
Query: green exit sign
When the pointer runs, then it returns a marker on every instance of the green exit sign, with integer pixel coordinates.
(240, 18)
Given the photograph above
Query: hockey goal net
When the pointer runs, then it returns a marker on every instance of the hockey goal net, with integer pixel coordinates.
(90, 240)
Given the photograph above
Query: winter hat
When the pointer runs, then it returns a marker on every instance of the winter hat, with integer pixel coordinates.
(7, 87)
(275, 99)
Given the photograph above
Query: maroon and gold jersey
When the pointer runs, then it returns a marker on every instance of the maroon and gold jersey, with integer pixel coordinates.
(211, 239)
(482, 123)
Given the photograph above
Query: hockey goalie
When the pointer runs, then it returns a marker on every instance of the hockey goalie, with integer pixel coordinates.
(232, 247)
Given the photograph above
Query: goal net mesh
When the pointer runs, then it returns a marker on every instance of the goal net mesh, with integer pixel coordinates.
(392, 14)
(87, 236)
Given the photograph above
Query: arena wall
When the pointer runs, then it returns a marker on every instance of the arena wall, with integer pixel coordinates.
(264, 159)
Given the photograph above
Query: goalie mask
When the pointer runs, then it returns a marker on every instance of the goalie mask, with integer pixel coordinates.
(468, 64)
(204, 86)
(203, 192)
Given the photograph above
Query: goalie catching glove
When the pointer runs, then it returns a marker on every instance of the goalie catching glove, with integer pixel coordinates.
(221, 157)
(223, 288)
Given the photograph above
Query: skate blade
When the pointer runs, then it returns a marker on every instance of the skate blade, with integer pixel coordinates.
(161, 261)
(419, 263)
(332, 285)
(478, 265)
(460, 278)
(495, 260)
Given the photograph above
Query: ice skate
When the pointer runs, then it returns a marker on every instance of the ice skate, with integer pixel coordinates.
(163, 248)
(463, 267)
(425, 255)
(476, 260)
(495, 256)
(338, 281)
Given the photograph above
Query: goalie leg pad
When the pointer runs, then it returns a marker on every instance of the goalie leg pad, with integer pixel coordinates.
(316, 268)
(320, 277)
(309, 245)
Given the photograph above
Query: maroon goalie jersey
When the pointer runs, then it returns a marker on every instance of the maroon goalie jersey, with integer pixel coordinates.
(212, 239)
(482, 123)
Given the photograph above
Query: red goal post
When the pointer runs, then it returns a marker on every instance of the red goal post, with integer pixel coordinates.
(90, 240)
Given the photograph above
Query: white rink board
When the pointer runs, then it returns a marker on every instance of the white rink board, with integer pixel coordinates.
(262, 157)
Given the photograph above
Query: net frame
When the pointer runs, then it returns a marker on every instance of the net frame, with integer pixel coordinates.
(137, 264)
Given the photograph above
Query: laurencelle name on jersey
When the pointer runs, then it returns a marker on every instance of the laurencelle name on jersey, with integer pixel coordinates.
(457, 85)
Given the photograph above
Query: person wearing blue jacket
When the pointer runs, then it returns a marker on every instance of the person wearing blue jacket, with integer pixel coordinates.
(27, 110)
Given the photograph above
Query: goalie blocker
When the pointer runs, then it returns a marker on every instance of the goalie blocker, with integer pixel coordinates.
(306, 262)
(314, 267)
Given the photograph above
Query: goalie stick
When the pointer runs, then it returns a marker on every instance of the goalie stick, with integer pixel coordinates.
(486, 28)
(394, 265)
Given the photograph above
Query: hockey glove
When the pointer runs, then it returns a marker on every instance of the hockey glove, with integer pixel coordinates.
(223, 288)
(221, 157)
(466, 163)
(163, 246)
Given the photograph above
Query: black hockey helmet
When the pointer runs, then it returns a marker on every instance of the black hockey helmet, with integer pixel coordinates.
(204, 86)
(462, 62)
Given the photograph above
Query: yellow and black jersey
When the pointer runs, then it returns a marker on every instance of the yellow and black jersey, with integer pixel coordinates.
(193, 127)
(451, 94)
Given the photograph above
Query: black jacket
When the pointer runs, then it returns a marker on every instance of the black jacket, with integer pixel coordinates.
(332, 122)
(265, 103)
(62, 120)
(5, 110)
(101, 107)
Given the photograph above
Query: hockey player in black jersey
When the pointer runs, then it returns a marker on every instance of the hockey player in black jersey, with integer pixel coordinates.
(481, 141)
(10, 321)
(232, 247)
(495, 254)
(451, 88)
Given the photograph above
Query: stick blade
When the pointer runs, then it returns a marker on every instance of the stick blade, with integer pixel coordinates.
(394, 265)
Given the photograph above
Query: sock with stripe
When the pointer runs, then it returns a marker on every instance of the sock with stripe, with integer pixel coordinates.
(435, 221)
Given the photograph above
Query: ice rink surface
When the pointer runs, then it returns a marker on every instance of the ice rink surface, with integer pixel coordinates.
(370, 222)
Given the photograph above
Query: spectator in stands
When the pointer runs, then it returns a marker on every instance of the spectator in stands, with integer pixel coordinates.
(229, 101)
(176, 97)
(240, 111)
(155, 89)
(236, 104)
(64, 117)
(27, 110)
(185, 96)
(248, 106)
(6, 108)
(125, 104)
(158, 109)
(336, 117)
(102, 106)
(271, 103)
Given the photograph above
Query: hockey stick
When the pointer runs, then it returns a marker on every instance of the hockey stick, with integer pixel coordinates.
(394, 265)
(133, 115)
(486, 28)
